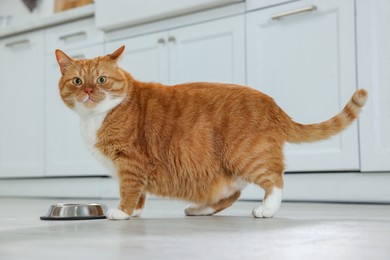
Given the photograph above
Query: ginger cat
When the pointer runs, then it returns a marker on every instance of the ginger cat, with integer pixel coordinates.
(200, 142)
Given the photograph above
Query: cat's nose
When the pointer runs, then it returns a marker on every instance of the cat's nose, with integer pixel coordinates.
(88, 90)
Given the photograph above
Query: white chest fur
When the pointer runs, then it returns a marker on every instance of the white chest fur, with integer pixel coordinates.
(90, 125)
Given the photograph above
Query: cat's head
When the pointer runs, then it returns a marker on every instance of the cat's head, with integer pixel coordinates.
(92, 86)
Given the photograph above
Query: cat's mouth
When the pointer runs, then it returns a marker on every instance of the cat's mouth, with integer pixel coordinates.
(89, 101)
(88, 98)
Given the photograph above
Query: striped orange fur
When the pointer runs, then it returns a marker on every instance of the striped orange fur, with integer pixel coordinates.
(200, 142)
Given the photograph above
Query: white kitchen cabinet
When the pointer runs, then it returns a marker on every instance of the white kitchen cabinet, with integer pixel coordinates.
(256, 4)
(304, 58)
(127, 13)
(78, 34)
(145, 56)
(66, 154)
(21, 106)
(210, 51)
(373, 41)
(213, 51)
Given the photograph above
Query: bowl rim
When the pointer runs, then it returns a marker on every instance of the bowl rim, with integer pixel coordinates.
(66, 204)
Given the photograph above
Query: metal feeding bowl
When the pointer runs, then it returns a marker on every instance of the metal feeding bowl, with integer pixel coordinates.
(70, 211)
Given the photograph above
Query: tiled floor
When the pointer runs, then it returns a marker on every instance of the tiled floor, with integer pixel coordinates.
(299, 231)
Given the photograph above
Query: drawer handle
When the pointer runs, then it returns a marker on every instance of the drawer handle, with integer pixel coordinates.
(67, 36)
(161, 41)
(78, 56)
(15, 43)
(305, 9)
(171, 39)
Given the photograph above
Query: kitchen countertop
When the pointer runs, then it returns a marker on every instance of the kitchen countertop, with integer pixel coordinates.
(62, 17)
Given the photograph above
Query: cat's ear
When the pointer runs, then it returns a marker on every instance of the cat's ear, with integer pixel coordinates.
(116, 55)
(63, 60)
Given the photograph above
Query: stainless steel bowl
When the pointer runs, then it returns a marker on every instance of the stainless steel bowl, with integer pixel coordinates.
(71, 211)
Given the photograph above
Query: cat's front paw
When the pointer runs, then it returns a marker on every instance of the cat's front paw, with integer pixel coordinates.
(117, 214)
(263, 212)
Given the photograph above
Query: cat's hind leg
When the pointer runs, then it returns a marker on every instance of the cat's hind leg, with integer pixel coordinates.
(208, 210)
(271, 202)
(272, 183)
(265, 170)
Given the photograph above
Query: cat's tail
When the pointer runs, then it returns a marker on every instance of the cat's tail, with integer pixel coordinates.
(299, 133)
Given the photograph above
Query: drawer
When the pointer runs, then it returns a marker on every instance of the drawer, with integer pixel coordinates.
(259, 4)
(22, 42)
(77, 34)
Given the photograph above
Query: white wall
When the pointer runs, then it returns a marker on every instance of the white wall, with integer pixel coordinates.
(20, 13)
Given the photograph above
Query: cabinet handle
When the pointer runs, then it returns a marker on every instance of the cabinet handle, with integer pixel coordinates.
(67, 36)
(78, 56)
(15, 43)
(161, 40)
(305, 9)
(171, 39)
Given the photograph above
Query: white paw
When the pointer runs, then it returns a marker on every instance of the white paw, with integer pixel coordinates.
(117, 214)
(263, 212)
(198, 211)
(136, 213)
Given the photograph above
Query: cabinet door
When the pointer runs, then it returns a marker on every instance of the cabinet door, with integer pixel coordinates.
(21, 106)
(306, 62)
(212, 51)
(145, 57)
(66, 154)
(373, 43)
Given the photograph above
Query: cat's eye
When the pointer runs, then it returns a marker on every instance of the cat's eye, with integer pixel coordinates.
(77, 81)
(102, 80)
